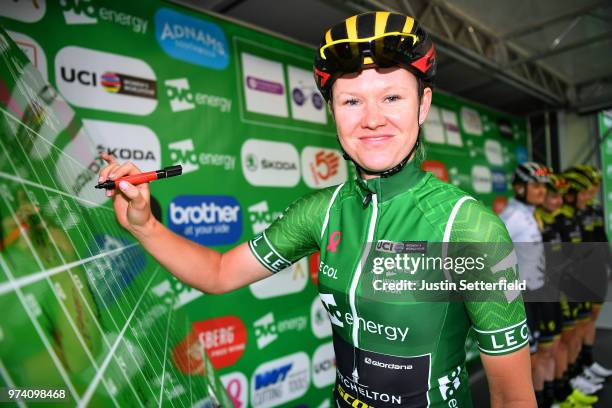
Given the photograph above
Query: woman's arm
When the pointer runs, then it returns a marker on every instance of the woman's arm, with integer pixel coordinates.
(198, 266)
(509, 378)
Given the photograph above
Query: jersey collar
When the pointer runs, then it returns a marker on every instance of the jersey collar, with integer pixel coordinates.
(388, 187)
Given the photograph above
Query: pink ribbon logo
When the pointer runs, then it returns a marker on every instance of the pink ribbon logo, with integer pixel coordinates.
(334, 240)
(233, 390)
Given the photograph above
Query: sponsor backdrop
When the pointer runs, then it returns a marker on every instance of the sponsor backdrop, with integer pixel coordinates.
(605, 134)
(159, 84)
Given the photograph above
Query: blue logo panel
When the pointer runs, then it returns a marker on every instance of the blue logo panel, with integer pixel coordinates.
(521, 154)
(207, 220)
(191, 40)
(112, 274)
(499, 181)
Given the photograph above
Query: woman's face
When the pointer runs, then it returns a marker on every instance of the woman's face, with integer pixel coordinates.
(582, 198)
(553, 201)
(536, 192)
(376, 115)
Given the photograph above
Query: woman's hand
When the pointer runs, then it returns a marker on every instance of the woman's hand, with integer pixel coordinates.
(131, 203)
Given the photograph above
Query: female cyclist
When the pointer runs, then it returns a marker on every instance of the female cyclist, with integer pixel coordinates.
(374, 70)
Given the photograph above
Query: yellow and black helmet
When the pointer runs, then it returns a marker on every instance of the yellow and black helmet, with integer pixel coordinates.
(380, 38)
(576, 180)
(590, 172)
(557, 183)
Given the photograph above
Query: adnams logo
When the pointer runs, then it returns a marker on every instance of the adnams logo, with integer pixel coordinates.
(208, 220)
(270, 164)
(88, 12)
(182, 98)
(191, 40)
(183, 152)
(142, 147)
(101, 80)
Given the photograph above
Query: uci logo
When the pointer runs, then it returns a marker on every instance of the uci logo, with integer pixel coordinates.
(83, 77)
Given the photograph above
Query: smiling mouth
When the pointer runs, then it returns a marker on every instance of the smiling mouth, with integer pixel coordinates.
(375, 138)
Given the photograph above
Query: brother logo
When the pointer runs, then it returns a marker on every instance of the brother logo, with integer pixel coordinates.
(209, 220)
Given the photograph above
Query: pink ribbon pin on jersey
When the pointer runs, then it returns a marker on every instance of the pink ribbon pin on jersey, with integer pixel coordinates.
(334, 240)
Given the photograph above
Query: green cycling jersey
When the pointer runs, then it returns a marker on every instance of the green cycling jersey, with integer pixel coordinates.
(393, 350)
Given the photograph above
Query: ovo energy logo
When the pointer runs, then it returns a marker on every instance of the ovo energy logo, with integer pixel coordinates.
(182, 98)
(183, 152)
(267, 329)
(88, 12)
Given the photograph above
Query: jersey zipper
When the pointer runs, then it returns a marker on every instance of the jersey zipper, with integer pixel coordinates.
(358, 270)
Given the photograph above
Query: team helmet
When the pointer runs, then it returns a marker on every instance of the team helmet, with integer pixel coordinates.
(531, 172)
(379, 38)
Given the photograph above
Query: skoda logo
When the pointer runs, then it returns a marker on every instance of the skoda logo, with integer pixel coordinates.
(251, 162)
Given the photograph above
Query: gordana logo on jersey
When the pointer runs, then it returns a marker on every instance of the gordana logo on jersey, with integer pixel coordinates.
(191, 39)
(280, 381)
(101, 80)
(292, 279)
(183, 152)
(27, 11)
(208, 220)
(322, 167)
(270, 164)
(324, 366)
(267, 329)
(182, 98)
(390, 333)
(237, 388)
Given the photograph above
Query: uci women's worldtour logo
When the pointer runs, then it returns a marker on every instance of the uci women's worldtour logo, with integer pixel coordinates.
(89, 12)
(101, 80)
(191, 40)
(208, 220)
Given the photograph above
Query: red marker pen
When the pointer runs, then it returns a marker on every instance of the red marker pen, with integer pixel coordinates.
(136, 179)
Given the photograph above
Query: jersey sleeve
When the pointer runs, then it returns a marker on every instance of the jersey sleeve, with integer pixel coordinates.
(498, 315)
(293, 235)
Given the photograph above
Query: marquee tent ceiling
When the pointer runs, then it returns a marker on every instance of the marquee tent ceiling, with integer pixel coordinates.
(520, 56)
